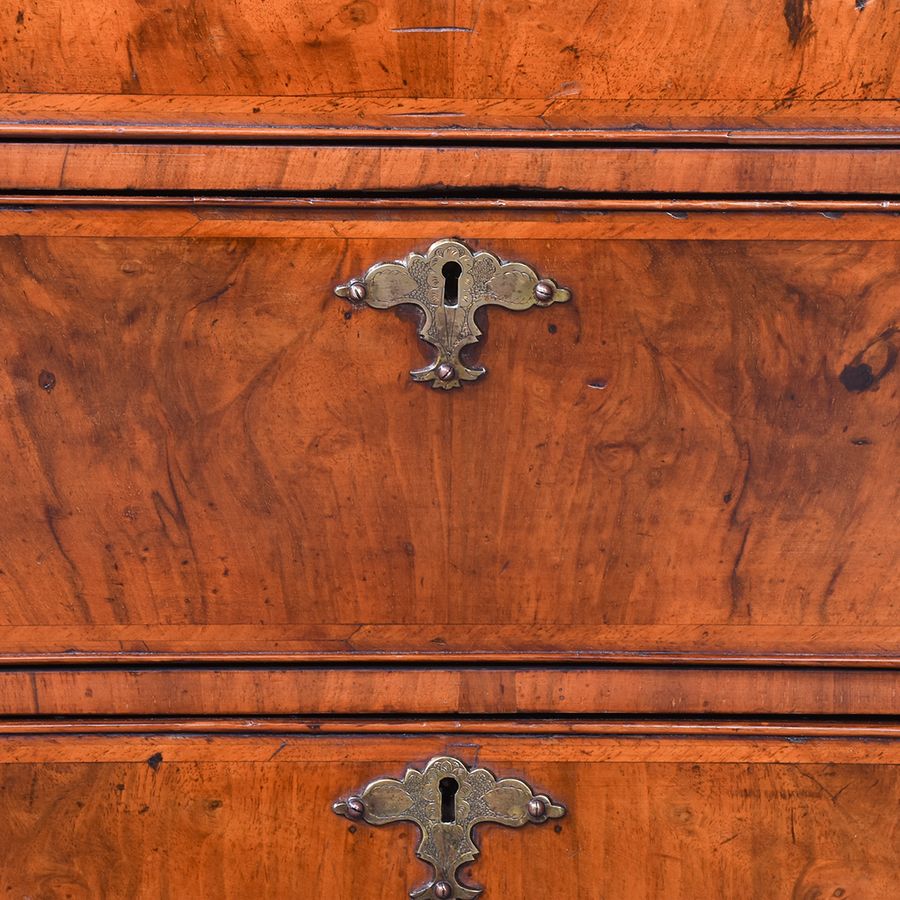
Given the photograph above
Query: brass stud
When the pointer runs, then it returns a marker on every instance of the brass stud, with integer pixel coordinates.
(537, 809)
(544, 291)
(443, 890)
(356, 809)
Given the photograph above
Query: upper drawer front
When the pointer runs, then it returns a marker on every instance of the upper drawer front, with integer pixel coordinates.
(697, 454)
(517, 65)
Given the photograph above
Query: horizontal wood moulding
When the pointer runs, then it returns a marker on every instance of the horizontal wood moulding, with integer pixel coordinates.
(220, 816)
(127, 122)
(393, 206)
(359, 218)
(798, 729)
(443, 692)
(874, 647)
(377, 755)
(397, 168)
(756, 64)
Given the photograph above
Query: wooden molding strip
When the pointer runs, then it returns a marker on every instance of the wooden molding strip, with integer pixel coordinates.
(392, 168)
(750, 645)
(397, 219)
(668, 727)
(230, 116)
(418, 204)
(240, 131)
(586, 657)
(702, 645)
(73, 658)
(397, 750)
(430, 693)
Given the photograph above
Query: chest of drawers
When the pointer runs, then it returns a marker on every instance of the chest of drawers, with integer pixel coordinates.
(449, 417)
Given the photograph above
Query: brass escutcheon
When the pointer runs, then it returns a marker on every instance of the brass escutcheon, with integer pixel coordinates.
(447, 800)
(450, 284)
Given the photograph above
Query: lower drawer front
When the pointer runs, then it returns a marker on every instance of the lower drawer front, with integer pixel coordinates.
(239, 816)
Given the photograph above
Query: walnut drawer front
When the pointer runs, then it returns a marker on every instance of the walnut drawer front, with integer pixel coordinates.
(217, 817)
(695, 457)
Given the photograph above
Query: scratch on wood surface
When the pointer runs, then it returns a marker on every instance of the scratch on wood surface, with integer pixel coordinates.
(127, 151)
(62, 168)
(566, 89)
(135, 77)
(425, 115)
(432, 29)
(35, 694)
(833, 796)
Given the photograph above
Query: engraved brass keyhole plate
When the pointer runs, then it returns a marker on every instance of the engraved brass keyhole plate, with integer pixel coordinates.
(450, 283)
(447, 800)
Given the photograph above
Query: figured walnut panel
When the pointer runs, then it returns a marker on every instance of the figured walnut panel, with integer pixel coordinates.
(688, 455)
(227, 817)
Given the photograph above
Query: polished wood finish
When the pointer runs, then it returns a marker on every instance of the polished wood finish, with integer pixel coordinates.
(327, 167)
(649, 563)
(446, 691)
(233, 817)
(684, 461)
(723, 67)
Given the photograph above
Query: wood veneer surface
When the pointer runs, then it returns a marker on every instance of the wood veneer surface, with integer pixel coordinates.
(425, 691)
(428, 67)
(393, 168)
(231, 817)
(697, 454)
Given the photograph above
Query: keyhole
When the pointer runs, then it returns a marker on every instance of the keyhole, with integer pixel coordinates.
(451, 272)
(448, 788)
